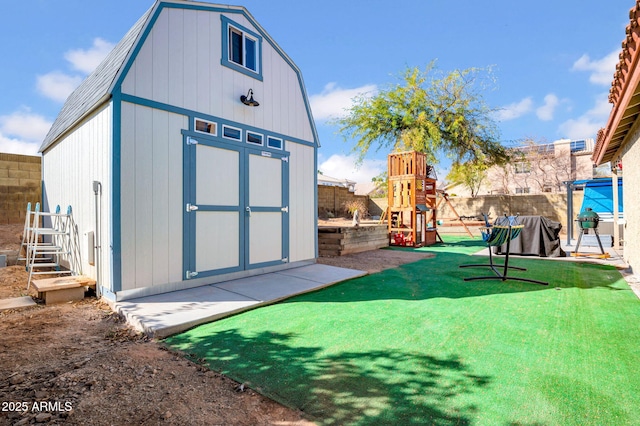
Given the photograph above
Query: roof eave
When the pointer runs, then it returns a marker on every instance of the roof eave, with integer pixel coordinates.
(625, 86)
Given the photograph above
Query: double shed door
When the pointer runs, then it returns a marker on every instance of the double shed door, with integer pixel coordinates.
(236, 208)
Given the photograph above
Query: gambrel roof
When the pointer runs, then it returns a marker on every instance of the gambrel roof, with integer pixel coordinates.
(96, 88)
(99, 86)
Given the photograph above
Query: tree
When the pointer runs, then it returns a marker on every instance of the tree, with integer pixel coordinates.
(430, 113)
(536, 165)
(470, 175)
(381, 182)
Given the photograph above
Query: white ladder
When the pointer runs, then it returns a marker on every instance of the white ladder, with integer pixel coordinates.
(45, 247)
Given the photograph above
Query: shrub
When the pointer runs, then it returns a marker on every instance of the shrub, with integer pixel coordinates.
(357, 204)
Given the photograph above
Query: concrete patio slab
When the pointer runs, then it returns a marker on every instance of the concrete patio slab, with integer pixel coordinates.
(16, 303)
(170, 313)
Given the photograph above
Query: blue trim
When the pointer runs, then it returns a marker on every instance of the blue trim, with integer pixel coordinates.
(263, 35)
(187, 244)
(265, 264)
(315, 200)
(213, 208)
(189, 196)
(225, 49)
(285, 202)
(195, 114)
(262, 209)
(108, 294)
(244, 197)
(116, 193)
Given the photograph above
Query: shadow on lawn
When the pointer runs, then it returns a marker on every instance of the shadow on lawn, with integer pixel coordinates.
(369, 388)
(441, 276)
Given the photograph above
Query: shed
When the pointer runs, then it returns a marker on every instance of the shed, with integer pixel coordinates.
(189, 156)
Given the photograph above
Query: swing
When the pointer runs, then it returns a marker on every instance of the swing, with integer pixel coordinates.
(502, 231)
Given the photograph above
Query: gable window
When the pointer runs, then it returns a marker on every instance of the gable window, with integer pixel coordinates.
(241, 49)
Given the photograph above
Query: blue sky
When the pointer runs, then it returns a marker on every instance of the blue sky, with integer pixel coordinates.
(553, 60)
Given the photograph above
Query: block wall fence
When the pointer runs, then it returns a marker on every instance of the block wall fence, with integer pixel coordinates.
(20, 183)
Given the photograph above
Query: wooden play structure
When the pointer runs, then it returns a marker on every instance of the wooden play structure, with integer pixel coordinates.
(412, 211)
(443, 197)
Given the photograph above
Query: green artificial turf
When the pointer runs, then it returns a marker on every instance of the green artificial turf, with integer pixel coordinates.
(418, 345)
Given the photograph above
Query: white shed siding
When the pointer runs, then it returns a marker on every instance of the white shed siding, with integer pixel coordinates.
(631, 199)
(69, 169)
(151, 196)
(184, 70)
(302, 217)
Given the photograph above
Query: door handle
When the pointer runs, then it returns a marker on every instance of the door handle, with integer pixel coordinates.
(248, 210)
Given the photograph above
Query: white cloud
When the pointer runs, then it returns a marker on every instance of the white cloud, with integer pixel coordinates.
(57, 85)
(22, 132)
(601, 69)
(25, 125)
(588, 124)
(16, 146)
(333, 101)
(344, 167)
(545, 112)
(86, 60)
(515, 110)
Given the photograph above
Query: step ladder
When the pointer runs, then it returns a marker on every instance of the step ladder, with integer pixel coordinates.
(46, 246)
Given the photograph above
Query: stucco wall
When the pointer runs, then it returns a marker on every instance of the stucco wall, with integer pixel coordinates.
(631, 199)
(20, 183)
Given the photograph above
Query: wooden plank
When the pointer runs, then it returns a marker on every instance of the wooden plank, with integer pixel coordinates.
(61, 283)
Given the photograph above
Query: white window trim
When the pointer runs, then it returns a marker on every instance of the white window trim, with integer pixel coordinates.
(249, 132)
(224, 126)
(213, 124)
(256, 52)
(275, 139)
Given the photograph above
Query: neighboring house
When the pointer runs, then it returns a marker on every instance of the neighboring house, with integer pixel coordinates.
(331, 181)
(618, 141)
(537, 169)
(166, 155)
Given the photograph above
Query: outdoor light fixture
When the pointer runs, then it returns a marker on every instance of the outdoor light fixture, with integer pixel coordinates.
(248, 100)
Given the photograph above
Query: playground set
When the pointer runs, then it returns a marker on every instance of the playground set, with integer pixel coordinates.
(412, 215)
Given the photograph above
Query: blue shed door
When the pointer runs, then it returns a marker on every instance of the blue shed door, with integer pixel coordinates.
(235, 207)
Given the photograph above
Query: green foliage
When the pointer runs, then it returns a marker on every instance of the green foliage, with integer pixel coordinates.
(382, 185)
(427, 112)
(357, 204)
(470, 175)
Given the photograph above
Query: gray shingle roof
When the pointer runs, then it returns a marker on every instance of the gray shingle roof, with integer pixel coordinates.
(96, 86)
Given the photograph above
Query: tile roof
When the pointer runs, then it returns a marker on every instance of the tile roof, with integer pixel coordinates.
(96, 87)
(624, 93)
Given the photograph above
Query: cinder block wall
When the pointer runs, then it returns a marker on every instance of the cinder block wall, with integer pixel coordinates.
(333, 198)
(553, 206)
(20, 183)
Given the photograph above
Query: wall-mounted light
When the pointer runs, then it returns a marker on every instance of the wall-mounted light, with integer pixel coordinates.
(248, 100)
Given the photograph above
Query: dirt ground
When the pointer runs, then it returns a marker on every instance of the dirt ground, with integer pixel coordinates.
(79, 364)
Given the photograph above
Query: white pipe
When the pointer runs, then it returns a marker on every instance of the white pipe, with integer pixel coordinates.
(97, 191)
